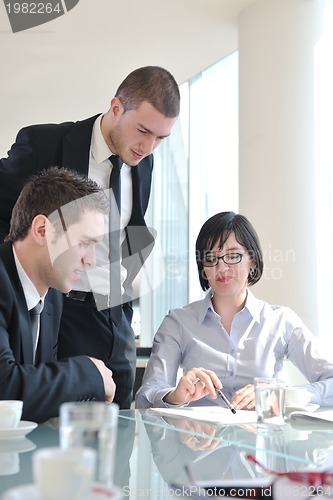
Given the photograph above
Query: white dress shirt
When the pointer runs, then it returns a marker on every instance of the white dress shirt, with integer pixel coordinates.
(261, 337)
(97, 278)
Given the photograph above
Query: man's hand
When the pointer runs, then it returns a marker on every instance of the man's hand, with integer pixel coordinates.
(106, 373)
(194, 385)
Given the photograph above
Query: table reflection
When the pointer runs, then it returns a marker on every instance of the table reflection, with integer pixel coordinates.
(152, 452)
(10, 450)
(218, 453)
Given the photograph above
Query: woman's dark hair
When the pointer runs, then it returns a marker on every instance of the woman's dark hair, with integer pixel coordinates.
(217, 230)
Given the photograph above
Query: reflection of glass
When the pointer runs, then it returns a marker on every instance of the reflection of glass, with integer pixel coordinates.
(9, 454)
(268, 441)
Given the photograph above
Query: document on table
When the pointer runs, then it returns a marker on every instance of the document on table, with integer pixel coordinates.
(318, 417)
(212, 414)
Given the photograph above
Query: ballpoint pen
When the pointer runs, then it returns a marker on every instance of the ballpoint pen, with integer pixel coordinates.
(225, 400)
(222, 396)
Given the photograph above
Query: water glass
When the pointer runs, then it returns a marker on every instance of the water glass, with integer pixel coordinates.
(270, 394)
(92, 424)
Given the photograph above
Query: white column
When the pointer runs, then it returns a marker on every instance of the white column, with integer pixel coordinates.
(277, 41)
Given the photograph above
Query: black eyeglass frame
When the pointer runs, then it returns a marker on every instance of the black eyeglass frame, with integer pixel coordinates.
(210, 264)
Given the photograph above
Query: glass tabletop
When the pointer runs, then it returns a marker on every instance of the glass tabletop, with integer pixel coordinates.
(186, 452)
(155, 452)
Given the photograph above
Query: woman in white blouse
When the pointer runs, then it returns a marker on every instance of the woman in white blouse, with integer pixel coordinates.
(229, 337)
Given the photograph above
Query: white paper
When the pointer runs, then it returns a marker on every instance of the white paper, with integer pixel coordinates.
(304, 417)
(213, 414)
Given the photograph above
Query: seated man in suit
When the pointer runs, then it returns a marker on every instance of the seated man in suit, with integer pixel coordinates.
(97, 317)
(56, 223)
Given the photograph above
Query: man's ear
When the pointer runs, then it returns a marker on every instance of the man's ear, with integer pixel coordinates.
(38, 228)
(116, 107)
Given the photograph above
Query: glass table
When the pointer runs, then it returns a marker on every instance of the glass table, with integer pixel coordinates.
(163, 457)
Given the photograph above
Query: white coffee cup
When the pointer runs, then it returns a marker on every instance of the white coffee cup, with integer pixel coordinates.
(296, 397)
(10, 413)
(64, 473)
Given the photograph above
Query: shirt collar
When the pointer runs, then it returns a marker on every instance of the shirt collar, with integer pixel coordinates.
(31, 294)
(252, 305)
(99, 149)
(204, 307)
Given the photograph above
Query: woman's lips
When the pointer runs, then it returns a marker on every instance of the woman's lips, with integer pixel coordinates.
(224, 279)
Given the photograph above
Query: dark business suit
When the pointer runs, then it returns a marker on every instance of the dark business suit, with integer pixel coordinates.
(44, 387)
(84, 330)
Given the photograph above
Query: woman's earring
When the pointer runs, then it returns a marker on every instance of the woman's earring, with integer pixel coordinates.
(252, 272)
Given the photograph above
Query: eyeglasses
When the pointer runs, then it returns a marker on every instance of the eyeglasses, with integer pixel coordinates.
(228, 258)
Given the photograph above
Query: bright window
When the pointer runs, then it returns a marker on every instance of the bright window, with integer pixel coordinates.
(195, 176)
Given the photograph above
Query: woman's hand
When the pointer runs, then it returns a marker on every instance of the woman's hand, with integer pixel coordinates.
(244, 398)
(194, 385)
(203, 437)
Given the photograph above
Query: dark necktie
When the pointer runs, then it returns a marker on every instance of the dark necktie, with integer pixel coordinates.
(114, 222)
(34, 318)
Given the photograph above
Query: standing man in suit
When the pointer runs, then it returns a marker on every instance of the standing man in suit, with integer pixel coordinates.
(142, 113)
(56, 223)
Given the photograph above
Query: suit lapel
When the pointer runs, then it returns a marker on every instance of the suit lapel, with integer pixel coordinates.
(26, 335)
(7, 256)
(76, 146)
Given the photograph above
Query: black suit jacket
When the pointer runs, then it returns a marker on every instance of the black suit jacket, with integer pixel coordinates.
(85, 330)
(43, 387)
(67, 145)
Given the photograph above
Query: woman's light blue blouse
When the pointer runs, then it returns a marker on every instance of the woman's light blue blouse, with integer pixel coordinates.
(262, 336)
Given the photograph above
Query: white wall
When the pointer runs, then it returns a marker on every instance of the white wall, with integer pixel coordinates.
(277, 40)
(69, 68)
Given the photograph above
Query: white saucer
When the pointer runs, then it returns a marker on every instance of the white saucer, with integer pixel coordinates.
(29, 492)
(23, 428)
(310, 407)
(16, 445)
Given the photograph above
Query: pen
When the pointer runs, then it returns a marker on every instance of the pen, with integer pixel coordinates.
(225, 401)
(222, 396)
